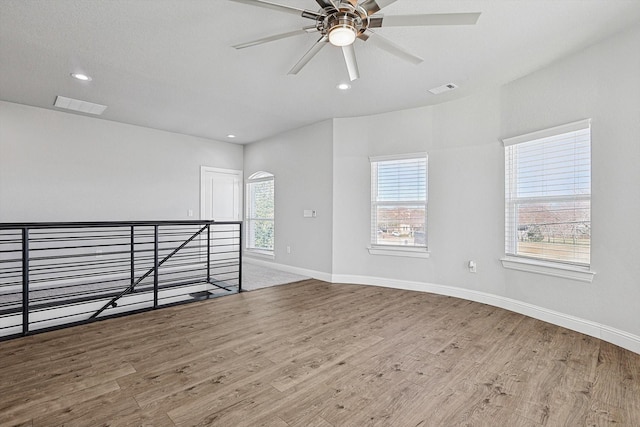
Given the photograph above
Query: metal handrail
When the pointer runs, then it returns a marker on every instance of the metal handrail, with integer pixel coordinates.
(94, 224)
(46, 267)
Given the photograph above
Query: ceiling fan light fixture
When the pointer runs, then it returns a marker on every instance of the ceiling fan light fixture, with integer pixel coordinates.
(342, 35)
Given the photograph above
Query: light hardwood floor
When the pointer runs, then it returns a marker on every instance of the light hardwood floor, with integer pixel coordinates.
(319, 354)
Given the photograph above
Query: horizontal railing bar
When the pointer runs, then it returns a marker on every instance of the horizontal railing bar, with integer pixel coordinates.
(142, 291)
(55, 266)
(59, 248)
(81, 285)
(65, 299)
(53, 271)
(224, 265)
(74, 276)
(10, 251)
(224, 261)
(106, 224)
(84, 255)
(223, 252)
(84, 236)
(81, 230)
(106, 231)
(92, 254)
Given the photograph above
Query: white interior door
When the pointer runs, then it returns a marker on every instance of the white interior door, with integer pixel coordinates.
(220, 194)
(221, 200)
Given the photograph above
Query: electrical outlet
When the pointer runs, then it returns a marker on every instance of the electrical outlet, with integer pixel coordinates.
(288, 249)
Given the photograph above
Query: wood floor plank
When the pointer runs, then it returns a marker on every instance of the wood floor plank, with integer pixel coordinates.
(190, 389)
(617, 382)
(386, 408)
(53, 390)
(100, 410)
(42, 405)
(319, 354)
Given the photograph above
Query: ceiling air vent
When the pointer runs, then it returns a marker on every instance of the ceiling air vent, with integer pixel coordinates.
(444, 88)
(81, 106)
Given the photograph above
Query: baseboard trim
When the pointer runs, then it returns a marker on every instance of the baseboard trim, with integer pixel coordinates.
(326, 277)
(606, 333)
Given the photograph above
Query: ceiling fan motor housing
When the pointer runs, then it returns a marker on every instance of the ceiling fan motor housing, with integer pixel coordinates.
(346, 21)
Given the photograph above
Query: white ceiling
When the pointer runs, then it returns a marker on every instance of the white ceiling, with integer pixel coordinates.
(169, 64)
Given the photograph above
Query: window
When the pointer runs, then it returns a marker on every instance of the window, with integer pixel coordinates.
(548, 195)
(399, 203)
(260, 213)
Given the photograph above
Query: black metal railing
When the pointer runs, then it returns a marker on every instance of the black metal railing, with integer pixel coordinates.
(56, 274)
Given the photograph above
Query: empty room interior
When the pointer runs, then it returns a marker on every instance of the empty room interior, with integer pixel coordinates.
(319, 213)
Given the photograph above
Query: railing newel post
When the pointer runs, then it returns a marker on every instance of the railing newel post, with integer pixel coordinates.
(155, 265)
(25, 281)
(132, 245)
(209, 253)
(240, 257)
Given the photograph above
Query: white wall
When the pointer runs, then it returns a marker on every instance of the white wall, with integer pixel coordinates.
(465, 217)
(301, 161)
(56, 166)
(601, 83)
(466, 186)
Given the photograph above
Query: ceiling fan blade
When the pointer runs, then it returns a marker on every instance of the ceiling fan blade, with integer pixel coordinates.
(325, 3)
(392, 48)
(373, 6)
(309, 55)
(425, 20)
(349, 53)
(274, 37)
(334, 4)
(282, 8)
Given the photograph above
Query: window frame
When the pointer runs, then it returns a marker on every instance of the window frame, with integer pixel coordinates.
(553, 267)
(374, 248)
(257, 178)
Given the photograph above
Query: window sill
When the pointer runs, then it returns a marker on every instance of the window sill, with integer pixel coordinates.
(583, 274)
(260, 254)
(399, 251)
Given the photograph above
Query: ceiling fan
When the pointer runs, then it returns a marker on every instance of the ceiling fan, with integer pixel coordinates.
(341, 22)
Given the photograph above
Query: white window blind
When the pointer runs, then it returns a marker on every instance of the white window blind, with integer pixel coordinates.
(548, 194)
(399, 200)
(260, 212)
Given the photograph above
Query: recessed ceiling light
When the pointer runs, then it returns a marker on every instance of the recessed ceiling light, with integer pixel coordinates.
(231, 136)
(80, 76)
(344, 86)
